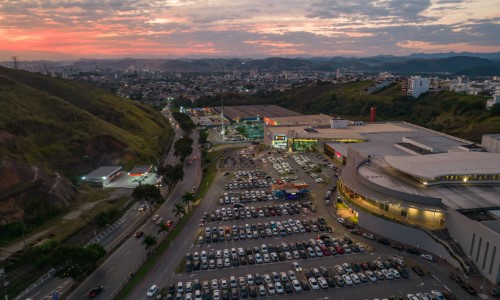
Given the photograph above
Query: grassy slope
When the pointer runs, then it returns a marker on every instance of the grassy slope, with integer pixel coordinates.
(53, 120)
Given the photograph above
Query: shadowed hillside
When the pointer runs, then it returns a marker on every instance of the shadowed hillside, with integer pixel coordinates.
(52, 126)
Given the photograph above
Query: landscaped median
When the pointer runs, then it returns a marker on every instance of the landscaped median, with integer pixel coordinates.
(210, 171)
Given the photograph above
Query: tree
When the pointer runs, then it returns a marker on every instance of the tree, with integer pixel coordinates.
(149, 193)
(163, 229)
(178, 172)
(187, 198)
(75, 261)
(183, 147)
(149, 242)
(179, 211)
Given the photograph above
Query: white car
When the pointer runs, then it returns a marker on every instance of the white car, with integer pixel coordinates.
(197, 295)
(428, 257)
(180, 287)
(152, 291)
(355, 278)
(292, 275)
(250, 279)
(387, 274)
(371, 276)
(341, 220)
(438, 295)
(322, 283)
(279, 288)
(258, 258)
(262, 290)
(395, 273)
(347, 267)
(155, 217)
(313, 283)
(232, 282)
(361, 247)
(270, 289)
(340, 269)
(369, 235)
(215, 295)
(347, 279)
(422, 296)
(296, 266)
(297, 287)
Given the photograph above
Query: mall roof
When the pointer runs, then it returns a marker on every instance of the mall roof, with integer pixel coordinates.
(254, 111)
(313, 120)
(352, 132)
(103, 171)
(442, 164)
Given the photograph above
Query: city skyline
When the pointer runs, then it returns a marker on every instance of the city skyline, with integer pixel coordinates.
(63, 30)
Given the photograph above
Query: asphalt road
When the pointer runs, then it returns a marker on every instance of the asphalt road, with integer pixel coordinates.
(126, 226)
(113, 272)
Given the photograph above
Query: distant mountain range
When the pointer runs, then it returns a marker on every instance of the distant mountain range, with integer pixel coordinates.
(451, 63)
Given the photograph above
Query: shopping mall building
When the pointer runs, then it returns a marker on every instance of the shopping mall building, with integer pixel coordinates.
(420, 187)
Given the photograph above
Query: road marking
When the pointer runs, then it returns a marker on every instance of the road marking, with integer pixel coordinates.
(128, 251)
(447, 288)
(436, 278)
(110, 269)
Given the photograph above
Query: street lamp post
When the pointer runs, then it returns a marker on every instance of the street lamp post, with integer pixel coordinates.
(5, 282)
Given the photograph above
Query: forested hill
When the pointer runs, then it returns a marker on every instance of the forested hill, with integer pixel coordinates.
(53, 131)
(461, 115)
(68, 127)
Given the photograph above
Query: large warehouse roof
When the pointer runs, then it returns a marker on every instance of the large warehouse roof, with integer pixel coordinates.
(455, 163)
(254, 111)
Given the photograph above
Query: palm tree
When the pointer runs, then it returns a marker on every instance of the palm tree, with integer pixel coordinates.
(187, 198)
(179, 211)
(149, 242)
(163, 229)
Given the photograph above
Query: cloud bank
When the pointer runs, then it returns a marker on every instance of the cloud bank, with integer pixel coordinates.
(70, 29)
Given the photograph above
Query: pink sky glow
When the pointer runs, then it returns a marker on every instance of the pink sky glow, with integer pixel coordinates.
(59, 29)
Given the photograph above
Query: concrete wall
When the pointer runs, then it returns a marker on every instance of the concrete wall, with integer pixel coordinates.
(479, 242)
(403, 234)
(491, 143)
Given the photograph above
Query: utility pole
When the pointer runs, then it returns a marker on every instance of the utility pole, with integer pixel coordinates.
(16, 62)
(223, 129)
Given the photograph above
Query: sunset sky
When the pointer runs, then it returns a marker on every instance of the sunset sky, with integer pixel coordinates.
(72, 29)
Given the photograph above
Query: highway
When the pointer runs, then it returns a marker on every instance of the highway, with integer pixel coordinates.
(118, 231)
(114, 272)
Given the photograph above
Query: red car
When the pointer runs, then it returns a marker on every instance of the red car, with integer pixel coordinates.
(169, 223)
(138, 234)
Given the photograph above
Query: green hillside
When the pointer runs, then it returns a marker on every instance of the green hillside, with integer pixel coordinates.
(63, 126)
(461, 115)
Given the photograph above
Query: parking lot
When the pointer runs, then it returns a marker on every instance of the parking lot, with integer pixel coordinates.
(248, 242)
